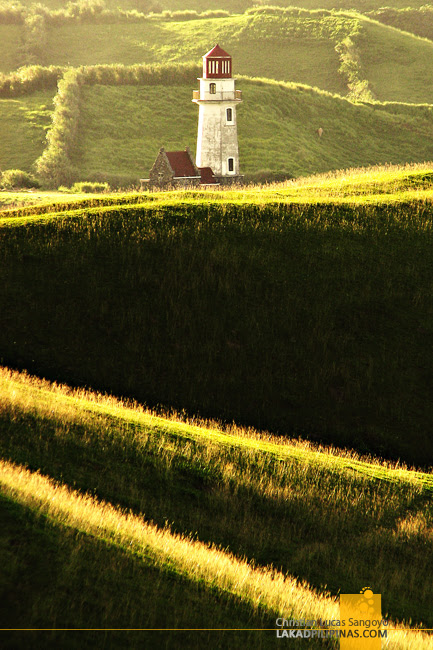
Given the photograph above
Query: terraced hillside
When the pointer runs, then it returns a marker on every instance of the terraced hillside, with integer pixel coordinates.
(278, 127)
(326, 49)
(340, 53)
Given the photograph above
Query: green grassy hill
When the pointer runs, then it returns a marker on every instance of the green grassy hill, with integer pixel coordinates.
(277, 126)
(306, 57)
(297, 315)
(342, 53)
(395, 63)
(279, 512)
(24, 122)
(409, 19)
(297, 45)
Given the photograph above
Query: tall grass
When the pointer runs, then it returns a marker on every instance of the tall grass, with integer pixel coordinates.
(320, 516)
(298, 317)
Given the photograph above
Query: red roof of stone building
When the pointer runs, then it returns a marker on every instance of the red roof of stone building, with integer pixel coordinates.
(216, 53)
(181, 163)
(207, 177)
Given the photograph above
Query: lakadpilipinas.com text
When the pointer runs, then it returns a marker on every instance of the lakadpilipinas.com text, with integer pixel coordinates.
(331, 628)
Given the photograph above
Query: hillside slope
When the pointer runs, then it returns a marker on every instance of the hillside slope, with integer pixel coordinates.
(395, 64)
(277, 123)
(277, 126)
(309, 317)
(24, 122)
(341, 52)
(271, 501)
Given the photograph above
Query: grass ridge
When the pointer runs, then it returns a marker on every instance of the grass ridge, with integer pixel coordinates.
(333, 459)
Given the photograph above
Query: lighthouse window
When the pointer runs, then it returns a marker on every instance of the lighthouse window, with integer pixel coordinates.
(231, 164)
(229, 115)
(212, 89)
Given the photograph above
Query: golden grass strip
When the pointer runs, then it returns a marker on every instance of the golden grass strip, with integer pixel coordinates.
(193, 559)
(41, 395)
(281, 595)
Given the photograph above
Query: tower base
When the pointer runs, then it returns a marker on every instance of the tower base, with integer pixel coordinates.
(233, 179)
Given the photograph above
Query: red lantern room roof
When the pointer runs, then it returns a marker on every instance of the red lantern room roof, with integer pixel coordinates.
(217, 52)
(217, 64)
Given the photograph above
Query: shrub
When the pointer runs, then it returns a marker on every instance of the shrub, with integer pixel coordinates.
(35, 34)
(13, 179)
(28, 79)
(11, 14)
(54, 166)
(88, 186)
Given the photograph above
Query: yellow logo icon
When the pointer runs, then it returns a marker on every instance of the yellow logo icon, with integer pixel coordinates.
(362, 627)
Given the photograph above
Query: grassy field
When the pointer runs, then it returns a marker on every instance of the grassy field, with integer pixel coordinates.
(401, 81)
(286, 116)
(339, 52)
(296, 45)
(24, 122)
(308, 58)
(146, 530)
(298, 316)
(10, 42)
(277, 127)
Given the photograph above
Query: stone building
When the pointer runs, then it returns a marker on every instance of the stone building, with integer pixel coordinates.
(177, 169)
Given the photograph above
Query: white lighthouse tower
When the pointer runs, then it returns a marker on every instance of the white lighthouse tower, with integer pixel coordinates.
(217, 139)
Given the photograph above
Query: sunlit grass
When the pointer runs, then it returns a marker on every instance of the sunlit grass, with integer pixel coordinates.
(193, 559)
(245, 464)
(51, 399)
(271, 501)
(24, 121)
(356, 186)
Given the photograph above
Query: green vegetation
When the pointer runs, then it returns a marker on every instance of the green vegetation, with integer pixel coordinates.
(303, 308)
(416, 20)
(299, 46)
(17, 179)
(299, 317)
(404, 79)
(24, 121)
(352, 134)
(88, 144)
(9, 47)
(88, 187)
(271, 503)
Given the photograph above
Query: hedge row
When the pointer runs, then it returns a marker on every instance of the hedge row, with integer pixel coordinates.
(28, 79)
(54, 166)
(96, 12)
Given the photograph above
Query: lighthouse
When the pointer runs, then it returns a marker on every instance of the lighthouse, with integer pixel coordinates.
(217, 138)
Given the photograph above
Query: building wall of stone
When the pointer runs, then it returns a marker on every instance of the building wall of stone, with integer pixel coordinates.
(161, 173)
